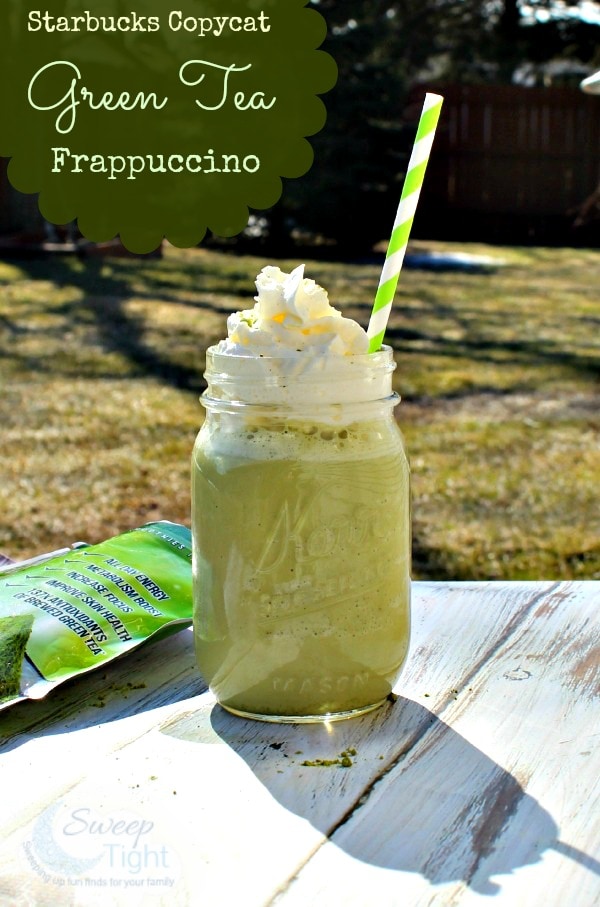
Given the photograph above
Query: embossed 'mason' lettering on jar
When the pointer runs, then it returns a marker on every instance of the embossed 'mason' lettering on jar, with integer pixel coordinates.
(326, 684)
(301, 530)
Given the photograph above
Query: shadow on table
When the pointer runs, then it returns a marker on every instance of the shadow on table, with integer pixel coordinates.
(119, 689)
(445, 809)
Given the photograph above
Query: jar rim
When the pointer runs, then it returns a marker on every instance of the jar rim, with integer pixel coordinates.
(295, 379)
(234, 406)
(383, 354)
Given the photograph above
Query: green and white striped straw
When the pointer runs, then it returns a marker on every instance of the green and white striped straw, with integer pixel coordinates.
(404, 219)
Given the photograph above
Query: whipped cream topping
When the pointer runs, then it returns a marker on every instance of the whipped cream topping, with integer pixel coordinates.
(292, 317)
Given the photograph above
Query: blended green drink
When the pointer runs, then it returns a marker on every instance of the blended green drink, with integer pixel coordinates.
(301, 530)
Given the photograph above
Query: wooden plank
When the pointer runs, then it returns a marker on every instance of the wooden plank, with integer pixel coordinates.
(499, 797)
(96, 713)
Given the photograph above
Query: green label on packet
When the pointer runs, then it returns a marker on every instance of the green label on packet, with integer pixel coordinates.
(95, 603)
(148, 120)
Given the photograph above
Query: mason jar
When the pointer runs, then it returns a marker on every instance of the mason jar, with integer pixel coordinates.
(301, 536)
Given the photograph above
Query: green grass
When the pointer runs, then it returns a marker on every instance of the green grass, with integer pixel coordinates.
(101, 366)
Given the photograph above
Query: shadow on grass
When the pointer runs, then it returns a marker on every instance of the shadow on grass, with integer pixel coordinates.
(107, 284)
(434, 565)
(123, 333)
(521, 352)
(106, 287)
(478, 343)
(163, 278)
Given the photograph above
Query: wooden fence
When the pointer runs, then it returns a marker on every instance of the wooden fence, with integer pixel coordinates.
(512, 163)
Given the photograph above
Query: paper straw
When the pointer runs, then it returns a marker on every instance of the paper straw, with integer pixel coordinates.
(404, 219)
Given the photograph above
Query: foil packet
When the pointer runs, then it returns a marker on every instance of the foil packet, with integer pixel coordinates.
(83, 607)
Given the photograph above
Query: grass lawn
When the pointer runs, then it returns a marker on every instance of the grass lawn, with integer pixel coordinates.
(101, 366)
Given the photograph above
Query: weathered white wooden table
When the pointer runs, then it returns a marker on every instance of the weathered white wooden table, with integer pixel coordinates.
(479, 784)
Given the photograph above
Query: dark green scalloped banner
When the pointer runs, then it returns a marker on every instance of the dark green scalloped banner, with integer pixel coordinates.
(149, 119)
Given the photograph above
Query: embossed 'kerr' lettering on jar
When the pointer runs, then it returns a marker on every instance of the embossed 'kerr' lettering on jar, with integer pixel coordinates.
(301, 530)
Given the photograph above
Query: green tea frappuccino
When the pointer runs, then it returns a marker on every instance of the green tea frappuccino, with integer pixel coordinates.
(301, 524)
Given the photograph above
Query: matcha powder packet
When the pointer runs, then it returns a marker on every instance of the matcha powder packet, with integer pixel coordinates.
(79, 610)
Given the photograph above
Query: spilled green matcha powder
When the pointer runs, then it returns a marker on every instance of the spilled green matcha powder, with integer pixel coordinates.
(342, 760)
(14, 633)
